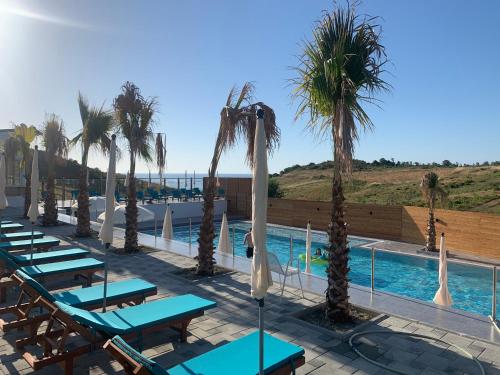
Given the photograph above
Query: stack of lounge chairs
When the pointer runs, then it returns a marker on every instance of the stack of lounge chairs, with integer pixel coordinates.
(73, 327)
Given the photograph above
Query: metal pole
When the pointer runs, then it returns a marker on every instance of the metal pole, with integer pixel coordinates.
(494, 302)
(105, 290)
(189, 231)
(32, 240)
(155, 229)
(234, 237)
(261, 336)
(291, 249)
(373, 269)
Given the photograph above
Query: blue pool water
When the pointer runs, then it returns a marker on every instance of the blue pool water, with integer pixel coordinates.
(406, 275)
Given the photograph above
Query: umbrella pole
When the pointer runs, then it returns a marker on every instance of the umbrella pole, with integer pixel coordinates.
(261, 336)
(155, 229)
(32, 240)
(105, 290)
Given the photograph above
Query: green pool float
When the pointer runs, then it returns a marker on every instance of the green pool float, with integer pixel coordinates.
(314, 259)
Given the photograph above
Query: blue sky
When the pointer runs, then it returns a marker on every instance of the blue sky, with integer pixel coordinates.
(445, 102)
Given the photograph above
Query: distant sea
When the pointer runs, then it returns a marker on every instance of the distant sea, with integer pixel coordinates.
(185, 179)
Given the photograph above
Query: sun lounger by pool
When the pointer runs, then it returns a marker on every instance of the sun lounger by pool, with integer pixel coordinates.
(129, 322)
(131, 291)
(85, 268)
(38, 243)
(12, 227)
(5, 222)
(240, 356)
(16, 236)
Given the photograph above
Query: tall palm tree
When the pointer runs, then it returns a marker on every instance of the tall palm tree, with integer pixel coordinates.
(237, 119)
(338, 71)
(56, 145)
(134, 115)
(97, 125)
(431, 192)
(25, 135)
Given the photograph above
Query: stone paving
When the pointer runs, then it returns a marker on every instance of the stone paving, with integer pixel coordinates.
(236, 315)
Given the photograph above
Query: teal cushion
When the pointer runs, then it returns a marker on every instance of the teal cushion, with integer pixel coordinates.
(136, 318)
(94, 294)
(7, 260)
(25, 244)
(35, 285)
(5, 222)
(153, 367)
(20, 235)
(60, 267)
(241, 357)
(53, 256)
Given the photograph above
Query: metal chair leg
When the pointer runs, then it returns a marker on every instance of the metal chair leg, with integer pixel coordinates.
(300, 283)
(283, 285)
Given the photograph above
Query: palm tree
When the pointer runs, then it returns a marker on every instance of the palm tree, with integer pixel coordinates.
(97, 125)
(25, 134)
(237, 118)
(431, 192)
(134, 115)
(56, 145)
(338, 71)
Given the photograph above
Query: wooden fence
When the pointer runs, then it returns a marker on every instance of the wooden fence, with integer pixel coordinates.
(472, 233)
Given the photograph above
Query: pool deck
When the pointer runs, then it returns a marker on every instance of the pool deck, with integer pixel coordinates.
(236, 315)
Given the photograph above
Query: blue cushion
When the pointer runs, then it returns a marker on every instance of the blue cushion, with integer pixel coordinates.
(15, 226)
(241, 357)
(35, 285)
(60, 267)
(136, 318)
(53, 256)
(6, 258)
(5, 222)
(153, 367)
(20, 235)
(94, 295)
(26, 244)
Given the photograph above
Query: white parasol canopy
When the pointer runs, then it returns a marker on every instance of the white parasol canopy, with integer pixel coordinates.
(308, 247)
(261, 275)
(3, 182)
(106, 232)
(168, 231)
(443, 296)
(33, 212)
(143, 214)
(96, 203)
(224, 245)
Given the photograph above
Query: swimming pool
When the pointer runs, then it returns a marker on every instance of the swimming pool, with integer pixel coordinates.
(406, 275)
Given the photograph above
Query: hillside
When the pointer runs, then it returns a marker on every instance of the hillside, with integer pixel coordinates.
(470, 188)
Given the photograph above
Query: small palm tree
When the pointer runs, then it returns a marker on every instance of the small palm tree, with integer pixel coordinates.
(339, 70)
(97, 125)
(237, 118)
(134, 116)
(56, 145)
(431, 192)
(26, 134)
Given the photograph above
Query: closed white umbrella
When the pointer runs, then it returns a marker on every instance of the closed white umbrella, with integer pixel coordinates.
(106, 232)
(308, 247)
(3, 182)
(224, 245)
(261, 275)
(33, 210)
(443, 296)
(96, 204)
(168, 231)
(143, 214)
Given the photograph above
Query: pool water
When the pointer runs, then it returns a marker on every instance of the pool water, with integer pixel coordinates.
(406, 275)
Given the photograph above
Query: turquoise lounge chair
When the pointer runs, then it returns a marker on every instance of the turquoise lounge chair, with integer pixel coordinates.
(85, 268)
(126, 291)
(45, 257)
(5, 222)
(12, 227)
(95, 328)
(240, 356)
(38, 243)
(15, 236)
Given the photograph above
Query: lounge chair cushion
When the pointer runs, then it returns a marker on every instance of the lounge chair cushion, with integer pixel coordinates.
(5, 222)
(59, 267)
(153, 367)
(51, 256)
(26, 244)
(93, 295)
(20, 235)
(11, 226)
(241, 356)
(136, 318)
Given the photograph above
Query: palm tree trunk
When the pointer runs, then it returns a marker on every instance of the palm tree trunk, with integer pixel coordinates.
(337, 297)
(431, 232)
(131, 244)
(83, 213)
(206, 260)
(50, 204)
